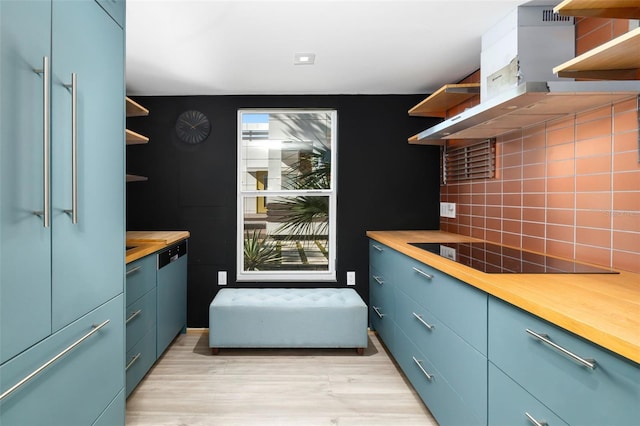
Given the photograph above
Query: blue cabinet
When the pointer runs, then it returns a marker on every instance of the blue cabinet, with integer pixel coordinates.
(62, 216)
(172, 294)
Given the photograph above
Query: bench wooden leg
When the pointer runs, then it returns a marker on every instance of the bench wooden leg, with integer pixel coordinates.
(215, 351)
(360, 351)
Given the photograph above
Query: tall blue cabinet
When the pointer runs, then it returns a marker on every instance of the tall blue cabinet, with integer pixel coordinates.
(62, 212)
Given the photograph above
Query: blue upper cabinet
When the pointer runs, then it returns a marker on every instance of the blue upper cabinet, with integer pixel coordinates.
(115, 8)
(88, 265)
(25, 251)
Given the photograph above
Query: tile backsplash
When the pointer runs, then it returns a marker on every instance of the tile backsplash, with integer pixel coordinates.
(569, 187)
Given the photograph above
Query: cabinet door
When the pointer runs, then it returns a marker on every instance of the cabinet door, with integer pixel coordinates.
(25, 251)
(172, 302)
(88, 266)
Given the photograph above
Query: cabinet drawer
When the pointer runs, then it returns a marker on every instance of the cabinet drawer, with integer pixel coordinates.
(383, 258)
(509, 404)
(140, 358)
(75, 389)
(443, 402)
(462, 366)
(460, 306)
(140, 317)
(380, 311)
(608, 394)
(115, 412)
(141, 277)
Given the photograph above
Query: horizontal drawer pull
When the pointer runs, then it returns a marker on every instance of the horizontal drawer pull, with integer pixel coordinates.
(378, 280)
(377, 247)
(47, 364)
(133, 315)
(419, 364)
(426, 324)
(377, 310)
(423, 273)
(133, 361)
(587, 362)
(134, 269)
(534, 421)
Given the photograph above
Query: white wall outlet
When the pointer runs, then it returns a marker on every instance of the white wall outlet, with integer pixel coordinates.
(351, 278)
(448, 210)
(222, 277)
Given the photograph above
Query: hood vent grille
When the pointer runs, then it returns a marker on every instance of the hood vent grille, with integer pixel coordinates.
(476, 161)
(548, 15)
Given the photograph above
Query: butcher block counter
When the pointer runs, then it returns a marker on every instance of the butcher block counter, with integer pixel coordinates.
(143, 243)
(602, 308)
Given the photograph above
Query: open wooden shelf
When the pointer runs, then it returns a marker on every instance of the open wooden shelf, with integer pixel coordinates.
(444, 99)
(617, 59)
(625, 9)
(134, 138)
(134, 109)
(135, 178)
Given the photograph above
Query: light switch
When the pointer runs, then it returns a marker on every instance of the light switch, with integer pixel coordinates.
(351, 278)
(222, 277)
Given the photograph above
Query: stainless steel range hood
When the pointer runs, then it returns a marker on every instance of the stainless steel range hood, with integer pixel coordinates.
(528, 104)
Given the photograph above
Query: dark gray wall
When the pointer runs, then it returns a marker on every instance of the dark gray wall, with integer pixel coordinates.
(383, 182)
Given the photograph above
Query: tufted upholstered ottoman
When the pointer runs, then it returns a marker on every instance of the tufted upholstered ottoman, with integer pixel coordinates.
(287, 318)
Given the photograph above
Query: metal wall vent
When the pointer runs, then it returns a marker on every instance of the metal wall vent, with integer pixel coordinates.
(548, 15)
(477, 161)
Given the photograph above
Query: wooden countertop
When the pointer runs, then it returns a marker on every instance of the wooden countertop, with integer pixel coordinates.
(602, 308)
(147, 242)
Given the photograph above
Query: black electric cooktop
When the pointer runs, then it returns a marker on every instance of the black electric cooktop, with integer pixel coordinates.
(497, 259)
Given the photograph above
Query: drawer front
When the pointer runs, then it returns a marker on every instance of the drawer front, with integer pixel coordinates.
(381, 257)
(462, 366)
(380, 312)
(460, 306)
(140, 358)
(141, 277)
(115, 412)
(78, 387)
(608, 394)
(443, 402)
(510, 405)
(140, 317)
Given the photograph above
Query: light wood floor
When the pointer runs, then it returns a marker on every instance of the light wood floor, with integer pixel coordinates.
(190, 387)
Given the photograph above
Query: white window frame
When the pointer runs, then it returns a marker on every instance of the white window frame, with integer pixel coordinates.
(287, 276)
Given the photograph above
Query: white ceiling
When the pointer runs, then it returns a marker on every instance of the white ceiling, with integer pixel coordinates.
(229, 47)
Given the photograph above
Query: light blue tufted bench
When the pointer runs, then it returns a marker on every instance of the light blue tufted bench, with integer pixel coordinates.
(287, 318)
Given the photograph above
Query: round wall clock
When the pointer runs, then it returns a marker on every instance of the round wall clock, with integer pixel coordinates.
(192, 127)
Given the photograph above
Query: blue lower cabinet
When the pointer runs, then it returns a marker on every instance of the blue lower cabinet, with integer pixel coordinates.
(381, 307)
(141, 277)
(115, 412)
(443, 402)
(76, 388)
(603, 389)
(139, 359)
(462, 366)
(511, 405)
(171, 295)
(140, 318)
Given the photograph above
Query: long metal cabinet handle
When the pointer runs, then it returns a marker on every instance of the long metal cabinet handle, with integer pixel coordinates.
(587, 362)
(133, 315)
(74, 148)
(419, 364)
(378, 280)
(134, 269)
(133, 361)
(377, 310)
(377, 247)
(534, 421)
(423, 273)
(47, 364)
(426, 324)
(46, 142)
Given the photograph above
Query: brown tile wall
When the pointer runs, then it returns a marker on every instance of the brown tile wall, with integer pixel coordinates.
(569, 187)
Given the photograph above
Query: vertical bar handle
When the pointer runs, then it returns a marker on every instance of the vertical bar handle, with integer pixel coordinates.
(74, 148)
(419, 364)
(46, 142)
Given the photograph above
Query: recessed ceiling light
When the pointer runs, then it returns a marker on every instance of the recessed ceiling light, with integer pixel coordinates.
(304, 58)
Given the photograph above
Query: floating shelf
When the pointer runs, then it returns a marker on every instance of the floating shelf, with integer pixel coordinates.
(134, 138)
(617, 59)
(625, 9)
(135, 178)
(444, 99)
(134, 109)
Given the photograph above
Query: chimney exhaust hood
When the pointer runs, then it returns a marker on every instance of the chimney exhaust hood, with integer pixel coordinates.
(528, 104)
(518, 86)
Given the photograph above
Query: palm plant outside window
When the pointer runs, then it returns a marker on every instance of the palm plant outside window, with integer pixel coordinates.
(286, 195)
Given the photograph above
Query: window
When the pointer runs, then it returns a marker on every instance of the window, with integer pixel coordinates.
(286, 195)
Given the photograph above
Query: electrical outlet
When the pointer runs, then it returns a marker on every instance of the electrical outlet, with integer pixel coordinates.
(222, 277)
(351, 278)
(448, 210)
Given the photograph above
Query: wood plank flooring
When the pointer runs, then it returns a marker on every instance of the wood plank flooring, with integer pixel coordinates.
(190, 387)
